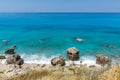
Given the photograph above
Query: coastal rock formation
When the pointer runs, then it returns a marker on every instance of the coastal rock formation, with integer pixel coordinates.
(103, 60)
(2, 57)
(58, 61)
(15, 59)
(73, 54)
(11, 50)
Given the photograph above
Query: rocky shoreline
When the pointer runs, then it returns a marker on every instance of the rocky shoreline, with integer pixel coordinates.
(15, 65)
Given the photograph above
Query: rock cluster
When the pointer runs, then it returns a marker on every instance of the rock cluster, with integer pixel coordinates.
(103, 60)
(15, 59)
(73, 54)
(58, 61)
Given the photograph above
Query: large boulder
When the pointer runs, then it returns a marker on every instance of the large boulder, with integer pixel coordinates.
(58, 61)
(11, 60)
(73, 54)
(103, 60)
(11, 50)
(15, 59)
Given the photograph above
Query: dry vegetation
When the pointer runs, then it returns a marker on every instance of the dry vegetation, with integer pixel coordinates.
(112, 74)
(68, 73)
(62, 73)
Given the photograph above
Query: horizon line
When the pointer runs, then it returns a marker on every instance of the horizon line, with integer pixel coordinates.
(60, 12)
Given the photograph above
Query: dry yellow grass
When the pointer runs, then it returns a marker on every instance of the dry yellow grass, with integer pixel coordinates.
(62, 73)
(112, 74)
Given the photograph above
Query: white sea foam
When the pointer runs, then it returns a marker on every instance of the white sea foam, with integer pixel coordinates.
(88, 60)
(3, 61)
(37, 59)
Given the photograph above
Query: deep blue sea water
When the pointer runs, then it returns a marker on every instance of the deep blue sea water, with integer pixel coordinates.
(41, 36)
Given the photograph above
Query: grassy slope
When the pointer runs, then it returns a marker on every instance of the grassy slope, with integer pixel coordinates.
(62, 73)
(69, 73)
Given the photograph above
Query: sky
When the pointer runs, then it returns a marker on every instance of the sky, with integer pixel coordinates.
(59, 5)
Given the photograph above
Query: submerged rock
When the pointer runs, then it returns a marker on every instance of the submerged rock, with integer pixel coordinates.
(11, 50)
(103, 60)
(79, 39)
(58, 61)
(5, 42)
(112, 46)
(2, 57)
(15, 59)
(118, 57)
(109, 46)
(73, 54)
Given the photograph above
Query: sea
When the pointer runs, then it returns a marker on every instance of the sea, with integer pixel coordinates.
(39, 37)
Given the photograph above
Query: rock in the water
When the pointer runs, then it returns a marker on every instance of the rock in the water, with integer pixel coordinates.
(112, 46)
(73, 54)
(103, 60)
(118, 57)
(15, 59)
(5, 42)
(2, 57)
(11, 50)
(79, 39)
(58, 61)
(109, 46)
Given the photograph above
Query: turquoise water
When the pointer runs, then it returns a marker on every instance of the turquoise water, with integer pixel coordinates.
(41, 36)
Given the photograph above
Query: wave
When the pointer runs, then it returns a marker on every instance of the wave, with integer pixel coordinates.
(86, 60)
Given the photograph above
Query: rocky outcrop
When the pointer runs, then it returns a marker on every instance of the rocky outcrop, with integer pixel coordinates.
(2, 57)
(11, 50)
(73, 54)
(103, 60)
(60, 61)
(15, 59)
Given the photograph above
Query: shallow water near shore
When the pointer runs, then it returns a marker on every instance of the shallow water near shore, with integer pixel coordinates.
(41, 36)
